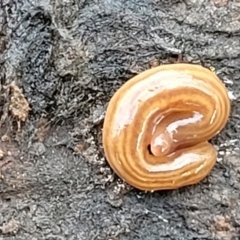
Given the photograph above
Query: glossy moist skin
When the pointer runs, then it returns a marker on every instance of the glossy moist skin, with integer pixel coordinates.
(157, 126)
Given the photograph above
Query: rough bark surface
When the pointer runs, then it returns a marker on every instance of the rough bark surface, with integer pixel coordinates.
(68, 58)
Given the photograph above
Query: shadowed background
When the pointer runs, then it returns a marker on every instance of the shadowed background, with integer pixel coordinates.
(69, 57)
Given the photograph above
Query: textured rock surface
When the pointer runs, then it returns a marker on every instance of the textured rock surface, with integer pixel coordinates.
(69, 57)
